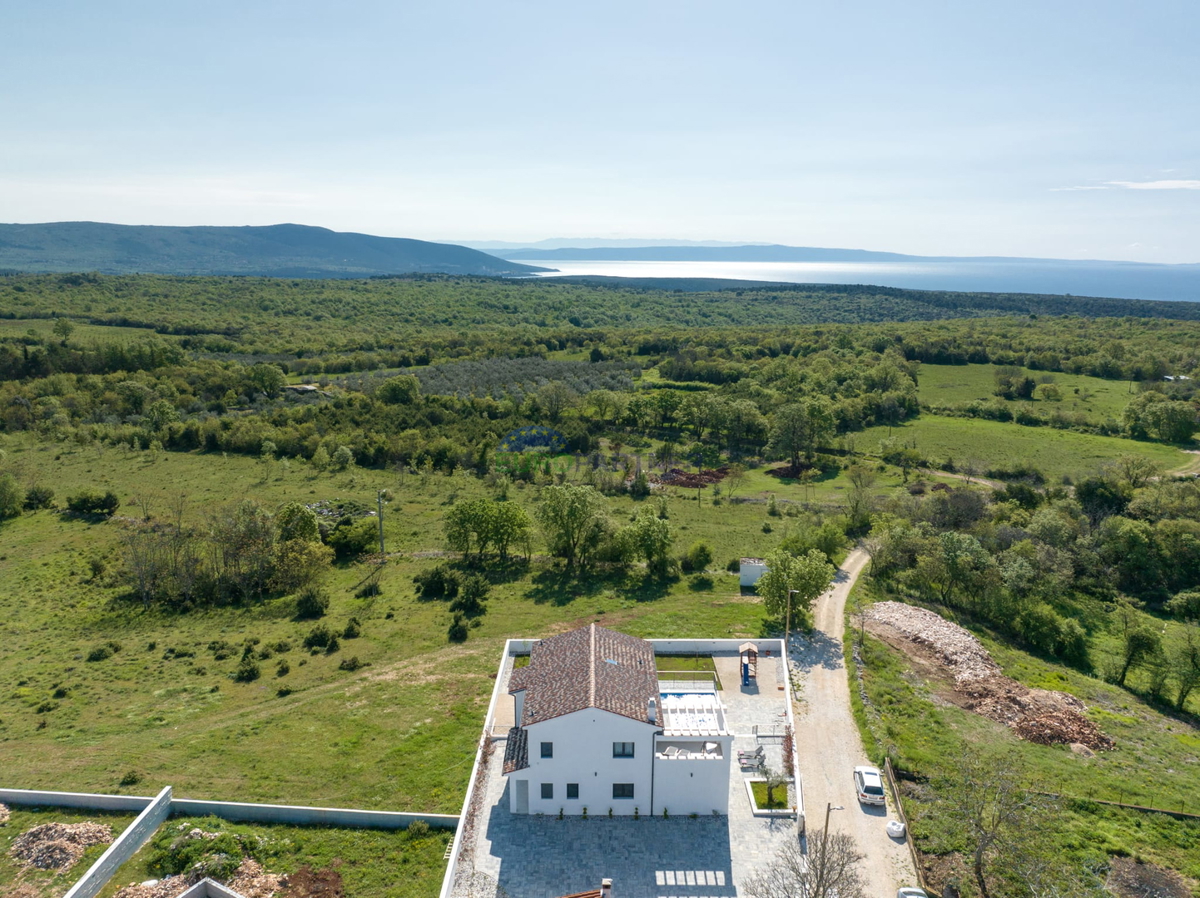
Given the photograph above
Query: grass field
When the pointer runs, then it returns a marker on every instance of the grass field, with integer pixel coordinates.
(371, 863)
(992, 444)
(82, 334)
(1096, 398)
(49, 883)
(1154, 763)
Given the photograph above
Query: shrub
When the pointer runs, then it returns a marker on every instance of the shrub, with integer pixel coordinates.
(11, 497)
(472, 596)
(351, 664)
(318, 637)
(39, 497)
(333, 645)
(89, 502)
(221, 649)
(312, 603)
(1185, 605)
(351, 537)
(101, 652)
(697, 558)
(458, 629)
(97, 566)
(283, 668)
(734, 565)
(282, 646)
(283, 691)
(353, 629)
(131, 778)
(247, 672)
(436, 583)
(418, 829)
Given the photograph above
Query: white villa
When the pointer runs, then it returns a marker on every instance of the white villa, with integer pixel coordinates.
(595, 731)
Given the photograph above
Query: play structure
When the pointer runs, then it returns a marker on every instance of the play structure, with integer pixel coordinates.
(749, 662)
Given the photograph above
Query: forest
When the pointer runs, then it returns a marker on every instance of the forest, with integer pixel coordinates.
(214, 455)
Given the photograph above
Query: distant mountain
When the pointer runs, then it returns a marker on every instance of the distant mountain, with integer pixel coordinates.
(757, 253)
(593, 243)
(285, 250)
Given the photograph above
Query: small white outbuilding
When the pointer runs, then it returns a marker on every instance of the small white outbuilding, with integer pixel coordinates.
(751, 569)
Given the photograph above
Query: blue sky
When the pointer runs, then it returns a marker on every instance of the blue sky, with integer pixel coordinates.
(1063, 129)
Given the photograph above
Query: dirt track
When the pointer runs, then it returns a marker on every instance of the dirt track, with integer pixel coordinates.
(828, 744)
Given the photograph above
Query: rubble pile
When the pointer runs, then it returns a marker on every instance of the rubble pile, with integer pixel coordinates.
(691, 480)
(3, 814)
(58, 846)
(250, 880)
(1036, 715)
(171, 887)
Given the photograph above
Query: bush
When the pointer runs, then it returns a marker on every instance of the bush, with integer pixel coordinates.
(436, 583)
(1185, 605)
(418, 829)
(318, 637)
(734, 565)
(333, 645)
(312, 603)
(11, 497)
(89, 502)
(247, 672)
(101, 652)
(458, 629)
(472, 595)
(131, 778)
(221, 649)
(697, 558)
(351, 537)
(282, 669)
(353, 629)
(352, 664)
(39, 497)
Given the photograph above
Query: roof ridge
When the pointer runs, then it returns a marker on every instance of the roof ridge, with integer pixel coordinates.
(592, 668)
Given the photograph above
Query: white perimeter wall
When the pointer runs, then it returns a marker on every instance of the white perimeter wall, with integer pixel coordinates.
(583, 754)
(692, 787)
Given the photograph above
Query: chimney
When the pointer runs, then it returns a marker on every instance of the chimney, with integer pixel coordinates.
(651, 711)
(606, 888)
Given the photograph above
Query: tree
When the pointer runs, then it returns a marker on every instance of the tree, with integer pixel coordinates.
(554, 399)
(160, 414)
(1185, 664)
(320, 459)
(511, 526)
(404, 389)
(1136, 470)
(12, 497)
(1141, 644)
(63, 328)
(574, 520)
(299, 563)
(268, 379)
(650, 537)
(342, 459)
(858, 500)
(986, 800)
(830, 869)
(295, 521)
(1101, 497)
(794, 582)
(244, 540)
(467, 525)
(798, 429)
(735, 478)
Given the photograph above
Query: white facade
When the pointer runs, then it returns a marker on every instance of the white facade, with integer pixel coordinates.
(751, 569)
(582, 749)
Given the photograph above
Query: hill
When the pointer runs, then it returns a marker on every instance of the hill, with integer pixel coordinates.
(285, 250)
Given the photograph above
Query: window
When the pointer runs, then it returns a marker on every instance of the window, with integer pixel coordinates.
(547, 749)
(572, 790)
(622, 790)
(622, 749)
(547, 790)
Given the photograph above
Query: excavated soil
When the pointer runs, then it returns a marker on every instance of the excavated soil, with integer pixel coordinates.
(691, 480)
(309, 883)
(1128, 878)
(944, 649)
(249, 881)
(58, 846)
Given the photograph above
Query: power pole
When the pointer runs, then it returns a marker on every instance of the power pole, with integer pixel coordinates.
(379, 506)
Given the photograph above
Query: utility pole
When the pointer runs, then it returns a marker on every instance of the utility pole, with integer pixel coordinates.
(379, 506)
(819, 889)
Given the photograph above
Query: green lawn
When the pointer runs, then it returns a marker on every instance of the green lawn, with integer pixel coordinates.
(998, 445)
(372, 863)
(83, 333)
(778, 801)
(49, 883)
(1093, 397)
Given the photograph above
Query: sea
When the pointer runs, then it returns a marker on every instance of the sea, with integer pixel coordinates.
(1119, 280)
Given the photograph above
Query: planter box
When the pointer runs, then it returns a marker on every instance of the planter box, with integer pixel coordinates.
(763, 812)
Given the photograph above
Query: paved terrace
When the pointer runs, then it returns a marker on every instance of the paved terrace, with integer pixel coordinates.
(519, 856)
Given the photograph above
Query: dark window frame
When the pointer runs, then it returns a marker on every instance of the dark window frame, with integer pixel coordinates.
(620, 749)
(621, 787)
(547, 791)
(572, 788)
(547, 749)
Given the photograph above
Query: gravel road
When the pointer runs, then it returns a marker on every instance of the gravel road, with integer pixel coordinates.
(828, 745)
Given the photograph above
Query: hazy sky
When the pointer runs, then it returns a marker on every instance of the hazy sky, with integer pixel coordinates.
(1049, 128)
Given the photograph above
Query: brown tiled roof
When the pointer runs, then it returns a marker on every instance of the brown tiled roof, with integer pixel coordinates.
(516, 750)
(592, 667)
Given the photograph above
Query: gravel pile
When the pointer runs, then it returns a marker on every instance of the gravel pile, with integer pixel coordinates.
(1036, 715)
(58, 846)
(3, 814)
(961, 652)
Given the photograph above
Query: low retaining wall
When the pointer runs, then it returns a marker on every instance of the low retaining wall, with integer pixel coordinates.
(88, 800)
(123, 847)
(296, 815)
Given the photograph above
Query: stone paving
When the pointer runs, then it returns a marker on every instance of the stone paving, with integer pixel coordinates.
(517, 856)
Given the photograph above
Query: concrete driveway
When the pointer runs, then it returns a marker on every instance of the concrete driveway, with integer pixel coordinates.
(828, 745)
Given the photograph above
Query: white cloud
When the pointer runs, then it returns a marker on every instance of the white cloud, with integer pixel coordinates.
(1155, 185)
(1080, 187)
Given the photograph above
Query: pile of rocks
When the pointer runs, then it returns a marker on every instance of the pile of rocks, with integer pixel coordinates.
(1037, 715)
(3, 814)
(58, 846)
(249, 881)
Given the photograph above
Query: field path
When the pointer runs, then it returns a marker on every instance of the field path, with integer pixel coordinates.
(828, 745)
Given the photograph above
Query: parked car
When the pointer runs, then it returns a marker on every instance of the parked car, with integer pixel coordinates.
(869, 785)
(911, 892)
